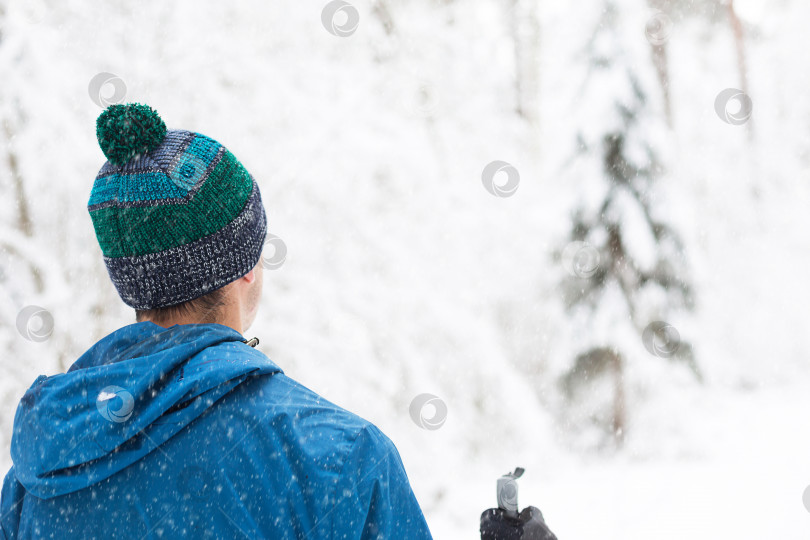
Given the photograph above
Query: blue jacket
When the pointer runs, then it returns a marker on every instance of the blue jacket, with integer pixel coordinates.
(188, 431)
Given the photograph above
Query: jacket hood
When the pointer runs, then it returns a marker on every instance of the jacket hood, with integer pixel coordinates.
(124, 397)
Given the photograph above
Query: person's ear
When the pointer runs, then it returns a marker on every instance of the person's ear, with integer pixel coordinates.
(250, 277)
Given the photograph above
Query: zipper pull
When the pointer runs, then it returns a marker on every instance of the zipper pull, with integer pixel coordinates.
(252, 341)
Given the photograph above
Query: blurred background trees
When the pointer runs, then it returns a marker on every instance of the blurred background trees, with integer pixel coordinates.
(626, 265)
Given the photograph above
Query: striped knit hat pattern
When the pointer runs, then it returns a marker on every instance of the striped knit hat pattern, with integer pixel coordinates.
(175, 213)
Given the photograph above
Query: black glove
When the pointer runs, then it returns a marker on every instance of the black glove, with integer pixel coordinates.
(529, 525)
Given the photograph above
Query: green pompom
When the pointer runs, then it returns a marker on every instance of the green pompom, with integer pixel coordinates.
(126, 131)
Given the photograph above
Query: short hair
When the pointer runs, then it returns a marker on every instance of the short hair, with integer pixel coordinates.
(206, 307)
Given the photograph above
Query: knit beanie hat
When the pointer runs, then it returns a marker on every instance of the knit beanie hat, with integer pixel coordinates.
(175, 213)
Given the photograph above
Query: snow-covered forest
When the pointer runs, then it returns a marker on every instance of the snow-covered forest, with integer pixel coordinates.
(580, 227)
